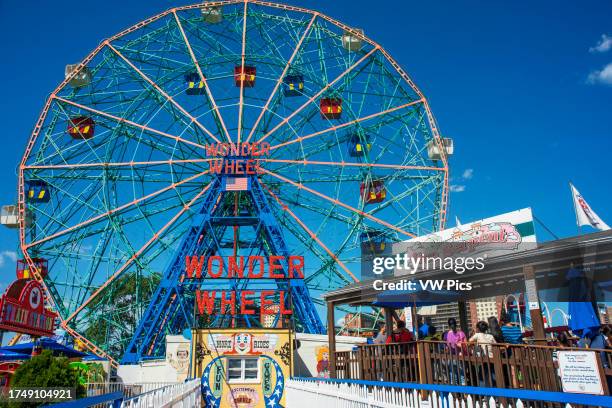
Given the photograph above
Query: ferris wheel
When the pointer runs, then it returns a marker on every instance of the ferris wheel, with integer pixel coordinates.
(117, 169)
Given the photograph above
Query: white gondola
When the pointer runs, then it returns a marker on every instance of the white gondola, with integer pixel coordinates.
(433, 150)
(82, 78)
(350, 41)
(212, 15)
(9, 216)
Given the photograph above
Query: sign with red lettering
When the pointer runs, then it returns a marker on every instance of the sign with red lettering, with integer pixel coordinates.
(236, 158)
(244, 302)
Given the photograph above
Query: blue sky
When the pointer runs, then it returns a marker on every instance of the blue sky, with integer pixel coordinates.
(522, 88)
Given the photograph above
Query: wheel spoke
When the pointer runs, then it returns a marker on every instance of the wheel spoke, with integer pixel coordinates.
(138, 253)
(337, 202)
(197, 65)
(161, 91)
(314, 97)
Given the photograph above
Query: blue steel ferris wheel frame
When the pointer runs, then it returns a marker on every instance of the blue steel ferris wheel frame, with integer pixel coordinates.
(122, 198)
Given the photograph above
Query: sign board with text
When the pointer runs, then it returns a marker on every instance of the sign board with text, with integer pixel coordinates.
(579, 372)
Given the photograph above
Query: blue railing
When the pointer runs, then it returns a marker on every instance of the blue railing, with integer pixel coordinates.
(444, 390)
(114, 398)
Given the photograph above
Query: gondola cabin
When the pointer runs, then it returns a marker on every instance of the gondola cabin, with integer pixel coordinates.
(359, 145)
(350, 41)
(81, 127)
(25, 272)
(372, 242)
(245, 77)
(373, 192)
(293, 85)
(331, 108)
(194, 84)
(37, 191)
(212, 15)
(80, 79)
(9, 216)
(433, 148)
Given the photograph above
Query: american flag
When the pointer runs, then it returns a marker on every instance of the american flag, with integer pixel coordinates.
(236, 184)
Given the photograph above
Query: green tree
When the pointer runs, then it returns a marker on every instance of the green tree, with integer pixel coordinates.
(117, 311)
(45, 370)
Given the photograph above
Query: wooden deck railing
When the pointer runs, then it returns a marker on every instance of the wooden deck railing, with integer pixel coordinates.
(433, 362)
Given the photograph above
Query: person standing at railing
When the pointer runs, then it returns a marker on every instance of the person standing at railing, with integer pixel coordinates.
(495, 330)
(511, 333)
(483, 342)
(432, 334)
(381, 337)
(401, 334)
(455, 339)
(483, 339)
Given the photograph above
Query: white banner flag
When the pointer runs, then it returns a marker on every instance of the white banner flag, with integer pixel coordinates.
(584, 214)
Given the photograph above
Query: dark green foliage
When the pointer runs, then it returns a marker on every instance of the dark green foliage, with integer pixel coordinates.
(118, 310)
(45, 370)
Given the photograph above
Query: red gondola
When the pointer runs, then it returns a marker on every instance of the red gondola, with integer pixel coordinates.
(245, 77)
(24, 271)
(331, 108)
(81, 127)
(373, 192)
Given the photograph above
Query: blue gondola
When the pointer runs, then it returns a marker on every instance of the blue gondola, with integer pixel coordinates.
(293, 85)
(358, 145)
(373, 242)
(37, 191)
(195, 84)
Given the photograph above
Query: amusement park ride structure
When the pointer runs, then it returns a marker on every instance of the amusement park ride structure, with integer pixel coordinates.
(122, 178)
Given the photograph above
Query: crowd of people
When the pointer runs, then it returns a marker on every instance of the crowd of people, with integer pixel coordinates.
(484, 333)
(479, 341)
(489, 332)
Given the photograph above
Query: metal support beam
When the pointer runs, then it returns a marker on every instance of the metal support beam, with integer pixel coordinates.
(533, 305)
(331, 338)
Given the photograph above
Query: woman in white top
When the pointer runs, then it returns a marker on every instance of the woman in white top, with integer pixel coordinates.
(483, 339)
(486, 372)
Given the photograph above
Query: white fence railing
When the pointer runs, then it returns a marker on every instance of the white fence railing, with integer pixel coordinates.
(309, 393)
(129, 390)
(183, 395)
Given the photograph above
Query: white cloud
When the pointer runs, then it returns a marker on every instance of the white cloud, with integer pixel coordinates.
(468, 174)
(7, 256)
(601, 77)
(457, 188)
(604, 45)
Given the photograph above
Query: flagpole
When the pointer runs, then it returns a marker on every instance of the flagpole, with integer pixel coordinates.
(575, 209)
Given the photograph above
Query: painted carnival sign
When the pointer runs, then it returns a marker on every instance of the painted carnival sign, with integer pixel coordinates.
(22, 309)
(510, 228)
(242, 368)
(243, 343)
(494, 236)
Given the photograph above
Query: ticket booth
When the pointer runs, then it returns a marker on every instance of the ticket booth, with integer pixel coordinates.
(242, 368)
